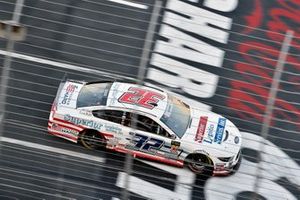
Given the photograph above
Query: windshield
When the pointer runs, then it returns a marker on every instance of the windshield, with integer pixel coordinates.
(94, 94)
(176, 116)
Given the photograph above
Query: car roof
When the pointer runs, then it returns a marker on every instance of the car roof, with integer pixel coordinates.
(136, 97)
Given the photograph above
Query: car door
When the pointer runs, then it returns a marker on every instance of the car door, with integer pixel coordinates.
(115, 124)
(147, 136)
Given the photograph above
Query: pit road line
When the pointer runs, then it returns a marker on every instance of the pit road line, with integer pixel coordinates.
(53, 149)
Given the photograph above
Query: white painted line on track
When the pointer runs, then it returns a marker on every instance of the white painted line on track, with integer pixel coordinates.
(52, 149)
(130, 3)
(58, 64)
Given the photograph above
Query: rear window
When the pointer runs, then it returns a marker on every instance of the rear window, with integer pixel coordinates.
(94, 94)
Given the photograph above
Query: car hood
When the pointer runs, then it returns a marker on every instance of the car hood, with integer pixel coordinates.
(212, 133)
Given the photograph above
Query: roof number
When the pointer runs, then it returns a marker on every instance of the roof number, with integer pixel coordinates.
(141, 97)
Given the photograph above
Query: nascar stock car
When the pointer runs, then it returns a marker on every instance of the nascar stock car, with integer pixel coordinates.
(146, 122)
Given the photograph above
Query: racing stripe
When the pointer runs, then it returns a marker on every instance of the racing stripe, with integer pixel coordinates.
(67, 124)
(75, 128)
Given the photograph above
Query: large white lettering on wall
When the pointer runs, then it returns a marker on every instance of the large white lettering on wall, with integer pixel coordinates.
(221, 5)
(183, 77)
(181, 45)
(198, 21)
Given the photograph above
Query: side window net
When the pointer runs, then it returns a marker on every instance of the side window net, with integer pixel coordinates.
(146, 124)
(143, 123)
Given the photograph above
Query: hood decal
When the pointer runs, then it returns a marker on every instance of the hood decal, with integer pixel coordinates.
(220, 130)
(201, 129)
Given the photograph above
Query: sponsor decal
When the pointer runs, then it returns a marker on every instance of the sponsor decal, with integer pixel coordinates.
(67, 97)
(174, 146)
(201, 129)
(112, 129)
(84, 122)
(85, 112)
(57, 127)
(141, 97)
(210, 134)
(220, 130)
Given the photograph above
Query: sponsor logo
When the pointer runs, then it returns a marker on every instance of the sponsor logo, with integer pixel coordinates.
(84, 122)
(220, 130)
(210, 134)
(174, 146)
(68, 94)
(236, 140)
(85, 112)
(201, 129)
(112, 129)
(59, 128)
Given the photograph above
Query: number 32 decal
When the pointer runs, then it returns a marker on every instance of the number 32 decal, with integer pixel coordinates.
(141, 97)
(145, 143)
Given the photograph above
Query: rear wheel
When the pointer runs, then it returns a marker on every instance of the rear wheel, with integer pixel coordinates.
(200, 164)
(92, 139)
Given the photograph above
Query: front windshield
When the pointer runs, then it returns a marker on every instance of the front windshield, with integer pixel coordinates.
(176, 116)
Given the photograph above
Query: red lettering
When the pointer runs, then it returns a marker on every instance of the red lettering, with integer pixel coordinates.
(283, 19)
(248, 99)
(254, 19)
(249, 96)
(141, 97)
(201, 129)
(71, 88)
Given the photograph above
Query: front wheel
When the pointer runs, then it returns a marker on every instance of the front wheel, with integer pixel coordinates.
(200, 164)
(92, 139)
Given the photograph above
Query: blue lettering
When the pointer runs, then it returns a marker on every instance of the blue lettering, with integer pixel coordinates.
(143, 142)
(220, 130)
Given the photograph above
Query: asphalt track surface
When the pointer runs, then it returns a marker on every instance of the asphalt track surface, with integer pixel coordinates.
(108, 42)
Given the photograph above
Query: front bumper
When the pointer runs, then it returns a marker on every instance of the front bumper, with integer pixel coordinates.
(228, 168)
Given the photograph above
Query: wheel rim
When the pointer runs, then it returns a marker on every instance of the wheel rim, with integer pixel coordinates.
(198, 163)
(92, 140)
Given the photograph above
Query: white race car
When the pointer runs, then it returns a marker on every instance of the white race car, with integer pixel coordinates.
(146, 122)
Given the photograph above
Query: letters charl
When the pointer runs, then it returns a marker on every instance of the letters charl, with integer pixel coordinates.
(182, 45)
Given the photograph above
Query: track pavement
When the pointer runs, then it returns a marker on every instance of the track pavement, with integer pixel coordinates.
(99, 35)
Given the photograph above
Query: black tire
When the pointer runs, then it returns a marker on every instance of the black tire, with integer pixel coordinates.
(92, 139)
(200, 164)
